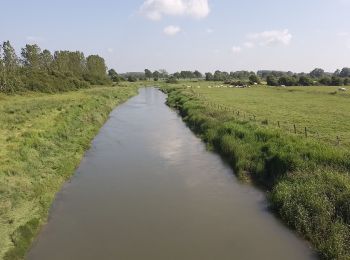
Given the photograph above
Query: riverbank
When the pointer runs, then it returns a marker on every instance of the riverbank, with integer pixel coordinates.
(307, 180)
(43, 138)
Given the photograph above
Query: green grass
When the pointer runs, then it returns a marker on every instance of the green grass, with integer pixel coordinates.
(307, 179)
(42, 139)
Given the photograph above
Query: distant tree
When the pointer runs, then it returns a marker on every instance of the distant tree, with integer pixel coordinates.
(177, 75)
(148, 74)
(346, 81)
(209, 76)
(287, 81)
(326, 81)
(254, 79)
(163, 73)
(96, 69)
(172, 80)
(220, 76)
(317, 73)
(31, 56)
(305, 81)
(345, 72)
(336, 73)
(156, 75)
(113, 75)
(10, 80)
(272, 80)
(197, 74)
(132, 78)
(186, 74)
(10, 59)
(74, 63)
(336, 81)
(46, 60)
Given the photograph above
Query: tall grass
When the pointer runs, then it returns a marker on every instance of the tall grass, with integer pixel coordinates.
(307, 181)
(42, 139)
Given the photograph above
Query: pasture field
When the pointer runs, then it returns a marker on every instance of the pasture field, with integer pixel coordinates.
(42, 139)
(306, 178)
(324, 111)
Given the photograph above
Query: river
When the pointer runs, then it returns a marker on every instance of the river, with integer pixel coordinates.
(148, 189)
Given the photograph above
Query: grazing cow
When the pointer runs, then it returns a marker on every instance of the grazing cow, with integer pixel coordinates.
(342, 89)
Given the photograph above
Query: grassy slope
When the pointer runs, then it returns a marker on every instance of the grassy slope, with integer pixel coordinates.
(307, 179)
(42, 139)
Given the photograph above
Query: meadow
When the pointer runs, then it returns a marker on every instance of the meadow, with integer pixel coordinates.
(43, 138)
(306, 175)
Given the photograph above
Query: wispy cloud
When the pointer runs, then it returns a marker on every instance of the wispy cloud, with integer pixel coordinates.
(110, 50)
(34, 39)
(343, 34)
(156, 9)
(236, 49)
(171, 30)
(249, 45)
(268, 38)
(209, 30)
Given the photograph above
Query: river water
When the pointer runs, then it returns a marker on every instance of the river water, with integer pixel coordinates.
(148, 189)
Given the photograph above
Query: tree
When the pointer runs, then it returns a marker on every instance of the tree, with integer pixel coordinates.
(254, 79)
(132, 78)
(305, 81)
(271, 80)
(197, 74)
(209, 76)
(287, 81)
(317, 73)
(9, 77)
(113, 75)
(46, 60)
(336, 81)
(96, 69)
(10, 59)
(345, 72)
(156, 75)
(148, 74)
(177, 75)
(326, 81)
(31, 56)
(74, 63)
(163, 73)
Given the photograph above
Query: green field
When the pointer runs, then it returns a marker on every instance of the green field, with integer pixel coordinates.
(42, 139)
(306, 176)
(324, 111)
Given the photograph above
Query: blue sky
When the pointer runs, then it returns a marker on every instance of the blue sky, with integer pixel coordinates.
(188, 34)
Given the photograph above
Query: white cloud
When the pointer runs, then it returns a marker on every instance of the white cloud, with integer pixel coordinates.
(34, 39)
(172, 30)
(156, 9)
(249, 45)
(268, 38)
(236, 49)
(209, 30)
(343, 34)
(110, 50)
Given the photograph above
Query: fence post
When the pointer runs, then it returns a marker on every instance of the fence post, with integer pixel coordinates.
(305, 132)
(278, 122)
(338, 140)
(295, 129)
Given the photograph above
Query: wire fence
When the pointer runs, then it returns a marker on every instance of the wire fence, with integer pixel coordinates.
(293, 128)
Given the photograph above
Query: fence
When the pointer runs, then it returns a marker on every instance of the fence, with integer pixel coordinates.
(302, 131)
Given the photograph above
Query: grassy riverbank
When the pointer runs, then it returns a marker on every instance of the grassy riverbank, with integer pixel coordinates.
(307, 178)
(42, 139)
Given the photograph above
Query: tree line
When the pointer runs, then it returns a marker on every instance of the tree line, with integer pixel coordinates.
(41, 70)
(277, 78)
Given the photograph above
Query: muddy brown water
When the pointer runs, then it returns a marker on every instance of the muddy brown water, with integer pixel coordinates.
(149, 189)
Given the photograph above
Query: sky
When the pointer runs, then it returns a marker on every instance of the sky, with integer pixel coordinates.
(174, 35)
